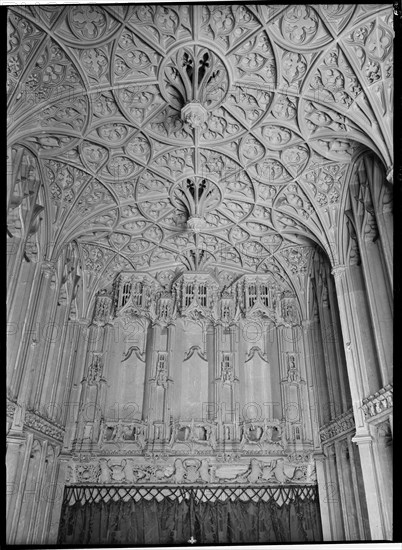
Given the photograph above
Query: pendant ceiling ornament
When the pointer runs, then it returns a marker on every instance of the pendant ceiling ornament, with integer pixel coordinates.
(228, 128)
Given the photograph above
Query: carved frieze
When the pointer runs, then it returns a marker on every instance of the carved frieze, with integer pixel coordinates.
(184, 470)
(344, 423)
(379, 402)
(193, 436)
(44, 426)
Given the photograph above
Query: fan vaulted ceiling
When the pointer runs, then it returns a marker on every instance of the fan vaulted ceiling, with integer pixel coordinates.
(288, 97)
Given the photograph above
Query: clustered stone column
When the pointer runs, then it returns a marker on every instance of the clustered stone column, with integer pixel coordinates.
(39, 370)
(363, 289)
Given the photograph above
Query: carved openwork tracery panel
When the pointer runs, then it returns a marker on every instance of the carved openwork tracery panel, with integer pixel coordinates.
(285, 107)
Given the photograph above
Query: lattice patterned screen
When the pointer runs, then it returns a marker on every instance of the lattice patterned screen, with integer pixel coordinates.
(280, 495)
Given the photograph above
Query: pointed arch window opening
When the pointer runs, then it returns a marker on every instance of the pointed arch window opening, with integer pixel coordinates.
(189, 294)
(265, 295)
(137, 294)
(126, 293)
(252, 294)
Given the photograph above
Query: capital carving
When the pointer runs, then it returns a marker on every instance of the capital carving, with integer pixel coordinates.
(338, 272)
(320, 457)
(362, 439)
(48, 269)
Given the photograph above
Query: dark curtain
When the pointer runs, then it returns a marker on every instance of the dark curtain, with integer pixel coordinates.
(249, 522)
(134, 523)
(149, 522)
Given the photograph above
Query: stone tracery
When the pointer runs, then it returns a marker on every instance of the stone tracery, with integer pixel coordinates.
(210, 139)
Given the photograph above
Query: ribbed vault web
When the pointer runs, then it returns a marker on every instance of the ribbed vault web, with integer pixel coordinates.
(288, 97)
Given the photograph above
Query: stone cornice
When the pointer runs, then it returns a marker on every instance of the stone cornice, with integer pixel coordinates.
(375, 404)
(339, 426)
(44, 426)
